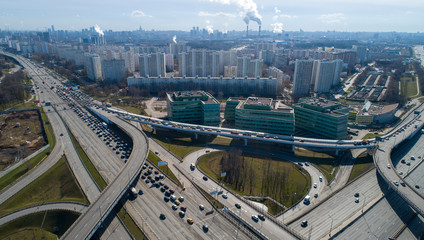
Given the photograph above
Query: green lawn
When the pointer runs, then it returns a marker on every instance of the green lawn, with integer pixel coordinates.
(179, 146)
(326, 163)
(30, 164)
(55, 224)
(56, 184)
(101, 183)
(154, 159)
(371, 135)
(129, 222)
(362, 164)
(408, 86)
(262, 176)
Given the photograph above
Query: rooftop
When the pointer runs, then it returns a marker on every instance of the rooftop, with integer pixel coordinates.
(182, 96)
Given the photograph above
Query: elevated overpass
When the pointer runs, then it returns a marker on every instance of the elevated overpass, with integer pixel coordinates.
(382, 160)
(87, 224)
(247, 135)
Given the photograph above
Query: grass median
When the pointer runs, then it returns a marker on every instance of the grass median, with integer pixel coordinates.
(363, 163)
(155, 160)
(56, 184)
(101, 183)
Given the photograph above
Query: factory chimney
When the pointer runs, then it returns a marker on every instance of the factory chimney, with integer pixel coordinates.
(247, 30)
(259, 34)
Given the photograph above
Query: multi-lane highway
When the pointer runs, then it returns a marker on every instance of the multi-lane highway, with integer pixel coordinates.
(382, 160)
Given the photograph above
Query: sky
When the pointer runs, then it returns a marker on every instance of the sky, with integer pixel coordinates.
(222, 15)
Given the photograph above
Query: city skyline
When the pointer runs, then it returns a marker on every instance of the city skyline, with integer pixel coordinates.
(222, 15)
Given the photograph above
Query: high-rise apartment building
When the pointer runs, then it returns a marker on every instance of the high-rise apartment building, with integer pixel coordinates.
(247, 67)
(201, 63)
(113, 70)
(302, 76)
(93, 66)
(152, 65)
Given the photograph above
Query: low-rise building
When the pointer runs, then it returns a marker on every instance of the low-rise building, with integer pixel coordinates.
(322, 117)
(197, 107)
(265, 115)
(260, 114)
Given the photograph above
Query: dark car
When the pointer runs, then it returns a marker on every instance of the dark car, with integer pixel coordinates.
(162, 216)
(304, 223)
(205, 178)
(238, 206)
(262, 217)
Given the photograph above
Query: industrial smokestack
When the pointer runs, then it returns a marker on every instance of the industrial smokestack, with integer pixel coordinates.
(247, 30)
(259, 34)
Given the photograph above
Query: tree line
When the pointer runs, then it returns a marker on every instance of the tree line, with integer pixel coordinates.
(243, 176)
(12, 88)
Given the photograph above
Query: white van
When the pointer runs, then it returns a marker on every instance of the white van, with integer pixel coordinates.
(307, 198)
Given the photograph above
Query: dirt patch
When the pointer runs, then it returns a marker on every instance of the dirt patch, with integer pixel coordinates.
(21, 134)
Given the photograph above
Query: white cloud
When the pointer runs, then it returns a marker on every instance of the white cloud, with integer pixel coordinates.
(276, 10)
(217, 14)
(138, 13)
(332, 18)
(288, 16)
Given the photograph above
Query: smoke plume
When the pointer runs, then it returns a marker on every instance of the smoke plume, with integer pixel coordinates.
(278, 27)
(174, 38)
(248, 9)
(98, 30)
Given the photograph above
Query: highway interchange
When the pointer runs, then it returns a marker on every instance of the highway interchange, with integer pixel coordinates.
(339, 215)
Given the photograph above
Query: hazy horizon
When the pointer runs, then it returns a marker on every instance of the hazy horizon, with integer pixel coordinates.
(222, 15)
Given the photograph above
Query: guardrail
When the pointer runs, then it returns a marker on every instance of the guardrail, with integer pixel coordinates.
(247, 225)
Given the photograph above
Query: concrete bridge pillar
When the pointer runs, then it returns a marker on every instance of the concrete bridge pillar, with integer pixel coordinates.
(245, 142)
(293, 148)
(196, 136)
(337, 152)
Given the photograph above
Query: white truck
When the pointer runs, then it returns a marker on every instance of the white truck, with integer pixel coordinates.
(306, 200)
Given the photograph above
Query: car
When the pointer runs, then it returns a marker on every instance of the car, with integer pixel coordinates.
(147, 181)
(412, 157)
(320, 178)
(174, 207)
(182, 214)
(396, 183)
(181, 199)
(315, 185)
(408, 164)
(300, 164)
(225, 196)
(173, 197)
(162, 216)
(205, 178)
(177, 202)
(205, 227)
(316, 195)
(61, 134)
(190, 221)
(388, 166)
(304, 223)
(356, 195)
(262, 217)
(356, 200)
(237, 205)
(307, 164)
(403, 184)
(166, 199)
(402, 161)
(417, 186)
(255, 218)
(156, 153)
(140, 192)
